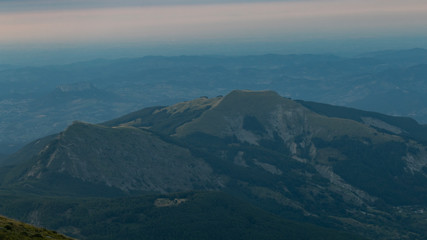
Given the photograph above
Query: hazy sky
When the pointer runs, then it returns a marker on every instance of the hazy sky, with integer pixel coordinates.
(72, 23)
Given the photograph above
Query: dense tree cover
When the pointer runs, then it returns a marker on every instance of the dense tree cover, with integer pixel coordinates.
(205, 215)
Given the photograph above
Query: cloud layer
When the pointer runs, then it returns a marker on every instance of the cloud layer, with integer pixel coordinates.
(81, 22)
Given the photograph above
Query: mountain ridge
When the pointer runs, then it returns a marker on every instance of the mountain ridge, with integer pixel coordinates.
(337, 167)
(28, 97)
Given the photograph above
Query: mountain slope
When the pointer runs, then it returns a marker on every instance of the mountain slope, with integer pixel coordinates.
(192, 215)
(402, 126)
(11, 230)
(124, 158)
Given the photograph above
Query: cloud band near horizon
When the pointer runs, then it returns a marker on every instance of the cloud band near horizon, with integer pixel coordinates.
(290, 20)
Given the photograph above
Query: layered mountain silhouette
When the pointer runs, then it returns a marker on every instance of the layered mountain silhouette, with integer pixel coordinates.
(335, 167)
(38, 101)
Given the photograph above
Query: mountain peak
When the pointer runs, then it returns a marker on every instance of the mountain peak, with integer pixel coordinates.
(246, 100)
(253, 92)
(249, 97)
(236, 107)
(193, 105)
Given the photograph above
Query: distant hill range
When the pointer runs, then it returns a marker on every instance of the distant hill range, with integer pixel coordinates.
(33, 102)
(284, 162)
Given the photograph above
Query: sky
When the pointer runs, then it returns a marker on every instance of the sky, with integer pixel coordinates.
(107, 28)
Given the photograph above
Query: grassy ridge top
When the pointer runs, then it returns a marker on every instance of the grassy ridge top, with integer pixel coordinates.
(236, 104)
(266, 106)
(11, 230)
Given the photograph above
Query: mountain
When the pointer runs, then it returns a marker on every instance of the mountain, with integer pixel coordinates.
(11, 230)
(334, 167)
(391, 82)
(86, 153)
(401, 57)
